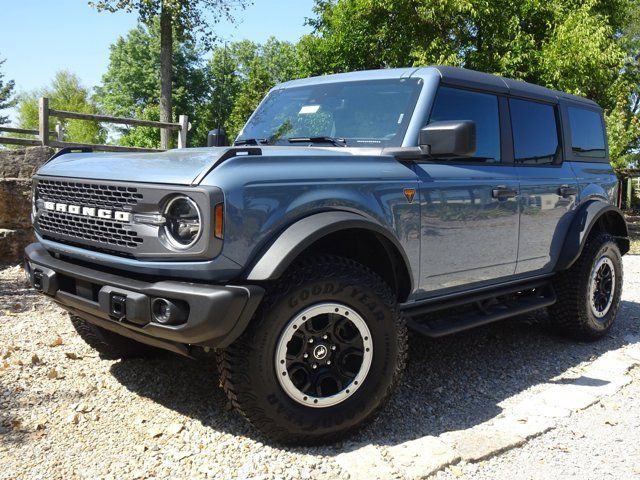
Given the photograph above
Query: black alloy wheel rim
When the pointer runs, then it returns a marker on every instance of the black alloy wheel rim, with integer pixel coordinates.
(602, 287)
(323, 355)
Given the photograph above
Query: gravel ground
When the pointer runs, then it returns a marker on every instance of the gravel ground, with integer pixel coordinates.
(600, 442)
(66, 413)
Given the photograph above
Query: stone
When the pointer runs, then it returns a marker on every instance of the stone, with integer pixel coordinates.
(12, 244)
(174, 428)
(420, 458)
(523, 425)
(23, 162)
(365, 463)
(481, 442)
(567, 396)
(15, 204)
(610, 364)
(537, 407)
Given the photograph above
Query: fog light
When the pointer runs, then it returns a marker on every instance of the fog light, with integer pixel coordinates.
(168, 312)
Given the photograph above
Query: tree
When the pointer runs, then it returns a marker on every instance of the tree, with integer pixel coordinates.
(242, 73)
(6, 95)
(188, 20)
(579, 47)
(130, 86)
(252, 91)
(65, 93)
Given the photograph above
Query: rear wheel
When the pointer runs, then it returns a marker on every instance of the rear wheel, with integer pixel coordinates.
(589, 292)
(108, 344)
(322, 355)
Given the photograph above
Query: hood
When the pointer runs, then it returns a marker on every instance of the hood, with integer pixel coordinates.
(173, 166)
(177, 167)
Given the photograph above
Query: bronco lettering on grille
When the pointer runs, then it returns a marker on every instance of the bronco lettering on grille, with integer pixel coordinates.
(88, 211)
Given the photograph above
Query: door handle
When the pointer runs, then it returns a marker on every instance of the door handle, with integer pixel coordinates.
(566, 191)
(502, 193)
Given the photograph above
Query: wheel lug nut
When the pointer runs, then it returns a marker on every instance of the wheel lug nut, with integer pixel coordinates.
(324, 337)
(333, 347)
(328, 362)
(306, 355)
(311, 340)
(314, 366)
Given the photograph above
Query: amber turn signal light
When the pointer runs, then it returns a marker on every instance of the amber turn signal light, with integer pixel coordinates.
(218, 228)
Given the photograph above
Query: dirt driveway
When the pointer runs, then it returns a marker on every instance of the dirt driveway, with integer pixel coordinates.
(66, 413)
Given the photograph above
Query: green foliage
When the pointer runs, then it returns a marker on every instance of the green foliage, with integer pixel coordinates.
(251, 92)
(191, 19)
(6, 95)
(65, 93)
(585, 47)
(259, 68)
(131, 84)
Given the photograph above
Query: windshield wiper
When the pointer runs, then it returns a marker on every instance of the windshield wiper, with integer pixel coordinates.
(338, 142)
(251, 141)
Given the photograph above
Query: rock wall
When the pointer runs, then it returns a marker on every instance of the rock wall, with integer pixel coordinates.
(16, 169)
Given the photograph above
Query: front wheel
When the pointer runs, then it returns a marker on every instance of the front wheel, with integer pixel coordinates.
(589, 292)
(321, 357)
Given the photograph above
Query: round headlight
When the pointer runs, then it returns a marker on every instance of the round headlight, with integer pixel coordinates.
(183, 222)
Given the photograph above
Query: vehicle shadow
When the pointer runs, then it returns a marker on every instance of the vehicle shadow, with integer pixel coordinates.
(450, 383)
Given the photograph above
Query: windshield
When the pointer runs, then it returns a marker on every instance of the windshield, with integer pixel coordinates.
(372, 113)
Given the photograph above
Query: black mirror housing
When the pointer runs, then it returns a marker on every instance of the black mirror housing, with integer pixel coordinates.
(453, 138)
(217, 138)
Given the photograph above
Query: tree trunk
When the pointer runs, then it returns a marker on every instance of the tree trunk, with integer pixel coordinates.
(166, 73)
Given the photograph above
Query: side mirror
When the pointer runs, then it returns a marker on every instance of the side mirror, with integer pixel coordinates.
(217, 138)
(455, 138)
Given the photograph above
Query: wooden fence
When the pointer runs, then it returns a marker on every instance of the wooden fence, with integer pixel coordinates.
(44, 135)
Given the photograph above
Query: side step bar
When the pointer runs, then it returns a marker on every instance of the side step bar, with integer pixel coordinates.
(482, 309)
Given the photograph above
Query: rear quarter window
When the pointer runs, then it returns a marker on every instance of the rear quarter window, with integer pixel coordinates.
(587, 133)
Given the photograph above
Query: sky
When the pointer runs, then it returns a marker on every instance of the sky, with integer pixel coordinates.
(40, 37)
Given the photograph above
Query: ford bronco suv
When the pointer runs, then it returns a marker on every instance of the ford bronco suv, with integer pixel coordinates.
(349, 208)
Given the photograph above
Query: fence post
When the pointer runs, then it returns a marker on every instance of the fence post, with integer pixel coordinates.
(59, 132)
(43, 116)
(183, 120)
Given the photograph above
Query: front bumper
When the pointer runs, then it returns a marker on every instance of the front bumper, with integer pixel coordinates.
(213, 315)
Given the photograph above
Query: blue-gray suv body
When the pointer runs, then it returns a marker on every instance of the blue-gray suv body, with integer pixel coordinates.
(348, 208)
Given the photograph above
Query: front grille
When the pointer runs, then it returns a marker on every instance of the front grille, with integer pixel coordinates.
(88, 194)
(98, 230)
(102, 234)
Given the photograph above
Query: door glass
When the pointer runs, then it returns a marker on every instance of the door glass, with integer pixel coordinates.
(535, 133)
(587, 132)
(482, 108)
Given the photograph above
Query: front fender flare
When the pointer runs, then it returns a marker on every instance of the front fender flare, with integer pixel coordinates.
(272, 262)
(582, 224)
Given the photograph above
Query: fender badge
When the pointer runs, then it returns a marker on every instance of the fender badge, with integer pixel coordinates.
(409, 193)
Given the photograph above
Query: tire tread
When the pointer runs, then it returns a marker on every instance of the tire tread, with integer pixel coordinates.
(232, 361)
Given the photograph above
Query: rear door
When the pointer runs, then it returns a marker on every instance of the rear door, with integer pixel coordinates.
(469, 208)
(548, 186)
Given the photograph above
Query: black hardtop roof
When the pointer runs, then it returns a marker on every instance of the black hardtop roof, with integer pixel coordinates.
(473, 78)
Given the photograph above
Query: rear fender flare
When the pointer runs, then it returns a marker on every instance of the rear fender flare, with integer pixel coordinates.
(583, 222)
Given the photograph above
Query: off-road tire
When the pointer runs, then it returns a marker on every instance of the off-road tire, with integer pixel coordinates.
(110, 345)
(572, 315)
(247, 367)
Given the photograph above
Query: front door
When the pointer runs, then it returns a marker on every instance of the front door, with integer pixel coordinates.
(469, 207)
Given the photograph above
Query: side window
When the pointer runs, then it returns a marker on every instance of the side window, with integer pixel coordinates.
(535, 132)
(482, 108)
(587, 133)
